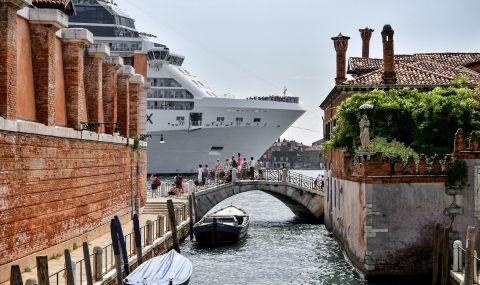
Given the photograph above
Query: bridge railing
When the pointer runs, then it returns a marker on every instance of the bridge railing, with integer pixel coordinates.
(302, 180)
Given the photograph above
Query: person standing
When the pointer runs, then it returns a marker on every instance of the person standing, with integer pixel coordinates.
(260, 169)
(251, 165)
(199, 174)
(206, 174)
(218, 169)
(155, 184)
(244, 168)
(226, 170)
(239, 159)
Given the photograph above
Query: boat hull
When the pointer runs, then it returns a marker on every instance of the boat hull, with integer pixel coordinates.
(219, 234)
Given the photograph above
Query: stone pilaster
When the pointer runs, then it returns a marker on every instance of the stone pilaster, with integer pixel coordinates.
(8, 57)
(134, 90)
(93, 78)
(44, 23)
(74, 43)
(123, 99)
(111, 64)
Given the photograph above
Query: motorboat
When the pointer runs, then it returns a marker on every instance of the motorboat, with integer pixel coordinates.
(170, 268)
(227, 225)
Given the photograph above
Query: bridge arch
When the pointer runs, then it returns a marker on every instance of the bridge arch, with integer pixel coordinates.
(304, 203)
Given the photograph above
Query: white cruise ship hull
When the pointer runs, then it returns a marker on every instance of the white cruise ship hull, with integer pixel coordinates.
(183, 150)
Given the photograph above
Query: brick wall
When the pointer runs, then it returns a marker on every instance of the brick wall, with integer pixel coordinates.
(8, 60)
(53, 189)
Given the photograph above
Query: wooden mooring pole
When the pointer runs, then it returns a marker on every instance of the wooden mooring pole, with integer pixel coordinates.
(445, 253)
(436, 253)
(88, 264)
(69, 268)
(42, 270)
(190, 212)
(15, 275)
(470, 260)
(194, 200)
(173, 224)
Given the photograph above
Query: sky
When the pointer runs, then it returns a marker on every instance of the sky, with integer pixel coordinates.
(256, 47)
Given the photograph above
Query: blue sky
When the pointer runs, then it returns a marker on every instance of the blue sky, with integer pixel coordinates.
(255, 47)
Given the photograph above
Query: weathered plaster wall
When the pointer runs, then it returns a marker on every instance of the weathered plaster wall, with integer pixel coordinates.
(25, 93)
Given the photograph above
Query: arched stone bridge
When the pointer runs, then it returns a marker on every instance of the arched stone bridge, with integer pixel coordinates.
(296, 191)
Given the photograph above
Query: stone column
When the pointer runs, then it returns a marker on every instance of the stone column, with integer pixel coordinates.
(143, 108)
(44, 23)
(75, 41)
(111, 64)
(8, 56)
(123, 100)
(93, 78)
(134, 90)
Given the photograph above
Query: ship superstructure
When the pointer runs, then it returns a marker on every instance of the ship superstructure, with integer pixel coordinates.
(188, 122)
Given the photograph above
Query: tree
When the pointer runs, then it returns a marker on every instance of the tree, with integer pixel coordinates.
(424, 121)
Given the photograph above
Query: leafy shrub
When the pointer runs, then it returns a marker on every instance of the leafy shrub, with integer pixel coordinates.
(392, 149)
(424, 121)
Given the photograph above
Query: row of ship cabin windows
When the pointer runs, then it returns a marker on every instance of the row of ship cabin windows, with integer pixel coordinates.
(171, 93)
(220, 120)
(163, 82)
(170, 105)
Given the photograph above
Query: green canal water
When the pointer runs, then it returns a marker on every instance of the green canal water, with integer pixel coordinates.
(279, 249)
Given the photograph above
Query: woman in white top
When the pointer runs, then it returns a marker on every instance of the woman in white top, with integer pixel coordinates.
(200, 172)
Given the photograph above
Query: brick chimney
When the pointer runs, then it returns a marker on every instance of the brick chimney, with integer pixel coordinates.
(366, 34)
(340, 43)
(389, 75)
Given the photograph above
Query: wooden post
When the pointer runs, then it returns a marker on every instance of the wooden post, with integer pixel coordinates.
(88, 265)
(15, 275)
(470, 258)
(69, 268)
(184, 211)
(178, 212)
(138, 239)
(161, 225)
(194, 200)
(445, 264)
(190, 211)
(42, 270)
(436, 253)
(173, 224)
(149, 232)
(98, 263)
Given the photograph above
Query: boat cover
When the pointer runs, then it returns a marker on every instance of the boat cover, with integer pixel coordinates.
(159, 270)
(229, 211)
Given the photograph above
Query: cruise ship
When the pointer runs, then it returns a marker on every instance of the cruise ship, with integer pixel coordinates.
(188, 123)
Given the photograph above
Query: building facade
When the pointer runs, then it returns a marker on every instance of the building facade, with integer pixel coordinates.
(293, 155)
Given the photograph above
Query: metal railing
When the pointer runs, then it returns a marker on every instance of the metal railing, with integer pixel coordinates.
(59, 276)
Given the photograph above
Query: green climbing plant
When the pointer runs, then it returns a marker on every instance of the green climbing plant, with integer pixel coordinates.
(457, 175)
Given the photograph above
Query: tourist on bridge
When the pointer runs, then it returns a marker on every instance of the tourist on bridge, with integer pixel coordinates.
(244, 168)
(260, 169)
(178, 180)
(251, 164)
(206, 175)
(319, 181)
(239, 159)
(200, 174)
(218, 169)
(155, 184)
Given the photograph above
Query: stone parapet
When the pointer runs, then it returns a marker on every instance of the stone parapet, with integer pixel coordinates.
(77, 35)
(51, 17)
(98, 50)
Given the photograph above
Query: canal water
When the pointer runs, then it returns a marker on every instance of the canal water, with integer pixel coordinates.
(279, 249)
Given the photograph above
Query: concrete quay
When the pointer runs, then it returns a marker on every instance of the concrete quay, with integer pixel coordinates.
(160, 242)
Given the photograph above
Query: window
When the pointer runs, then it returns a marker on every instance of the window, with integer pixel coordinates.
(257, 120)
(238, 120)
(220, 119)
(170, 93)
(163, 82)
(170, 105)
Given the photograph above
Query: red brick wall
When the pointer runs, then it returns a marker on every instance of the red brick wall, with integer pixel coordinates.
(54, 189)
(25, 93)
(8, 60)
(73, 66)
(123, 104)
(134, 108)
(93, 90)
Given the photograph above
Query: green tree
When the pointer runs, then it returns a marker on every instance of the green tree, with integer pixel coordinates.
(424, 121)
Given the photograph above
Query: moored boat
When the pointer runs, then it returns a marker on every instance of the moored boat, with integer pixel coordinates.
(170, 268)
(227, 225)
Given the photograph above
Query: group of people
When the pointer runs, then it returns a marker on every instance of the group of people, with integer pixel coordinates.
(223, 171)
(320, 182)
(288, 99)
(175, 188)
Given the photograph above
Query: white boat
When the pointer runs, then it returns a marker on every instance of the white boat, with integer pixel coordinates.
(188, 122)
(170, 268)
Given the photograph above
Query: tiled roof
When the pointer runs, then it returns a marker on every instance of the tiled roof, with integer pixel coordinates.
(423, 73)
(358, 65)
(65, 6)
